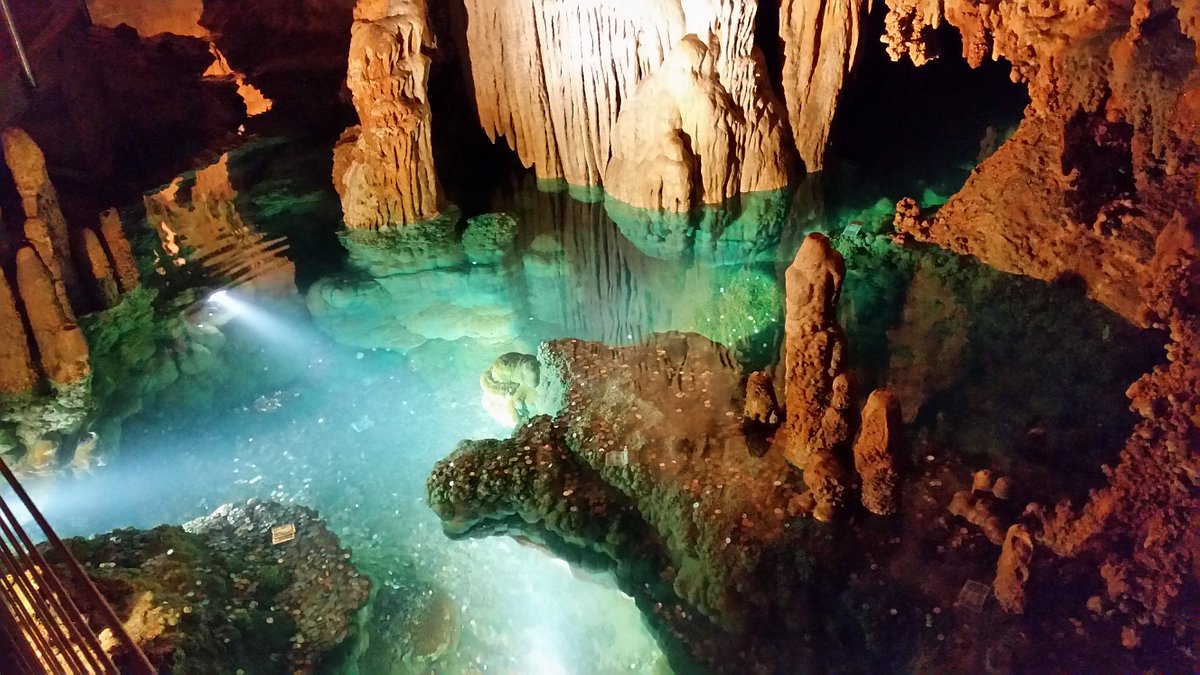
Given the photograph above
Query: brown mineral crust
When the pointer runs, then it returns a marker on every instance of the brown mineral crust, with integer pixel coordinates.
(60, 343)
(388, 179)
(17, 372)
(816, 374)
(1013, 569)
(1146, 516)
(979, 509)
(119, 253)
(875, 452)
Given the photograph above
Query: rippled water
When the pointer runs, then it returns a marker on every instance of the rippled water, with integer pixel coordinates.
(352, 428)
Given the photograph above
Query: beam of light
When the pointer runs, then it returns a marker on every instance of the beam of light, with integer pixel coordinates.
(271, 326)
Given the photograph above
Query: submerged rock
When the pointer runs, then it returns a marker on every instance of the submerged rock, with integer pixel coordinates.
(216, 596)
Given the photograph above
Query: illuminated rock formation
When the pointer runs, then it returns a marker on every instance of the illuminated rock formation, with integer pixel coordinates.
(17, 372)
(510, 388)
(1103, 157)
(383, 171)
(816, 376)
(682, 140)
(1012, 571)
(60, 343)
(120, 254)
(820, 44)
(45, 227)
(104, 286)
(556, 81)
(875, 452)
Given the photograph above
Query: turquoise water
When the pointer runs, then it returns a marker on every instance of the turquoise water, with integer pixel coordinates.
(349, 411)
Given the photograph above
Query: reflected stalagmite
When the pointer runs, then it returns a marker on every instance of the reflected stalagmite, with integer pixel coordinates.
(120, 254)
(60, 343)
(1012, 572)
(104, 281)
(17, 373)
(45, 227)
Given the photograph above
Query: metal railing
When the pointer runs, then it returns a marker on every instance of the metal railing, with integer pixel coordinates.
(40, 617)
(18, 46)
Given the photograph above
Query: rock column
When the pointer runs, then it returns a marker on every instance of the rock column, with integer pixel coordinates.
(817, 379)
(383, 169)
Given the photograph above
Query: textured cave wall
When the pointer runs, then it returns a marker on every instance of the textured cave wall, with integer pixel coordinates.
(1100, 184)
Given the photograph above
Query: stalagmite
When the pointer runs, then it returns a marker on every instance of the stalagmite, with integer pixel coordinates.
(384, 172)
(17, 372)
(820, 43)
(817, 379)
(119, 253)
(104, 282)
(1012, 571)
(571, 85)
(60, 342)
(761, 405)
(875, 452)
(45, 227)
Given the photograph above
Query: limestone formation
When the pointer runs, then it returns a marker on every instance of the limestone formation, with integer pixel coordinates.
(875, 452)
(570, 84)
(761, 405)
(104, 287)
(817, 382)
(45, 228)
(682, 140)
(120, 254)
(384, 171)
(17, 372)
(60, 343)
(1012, 571)
(820, 44)
(1105, 154)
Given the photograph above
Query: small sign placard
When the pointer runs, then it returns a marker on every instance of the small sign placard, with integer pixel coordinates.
(281, 534)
